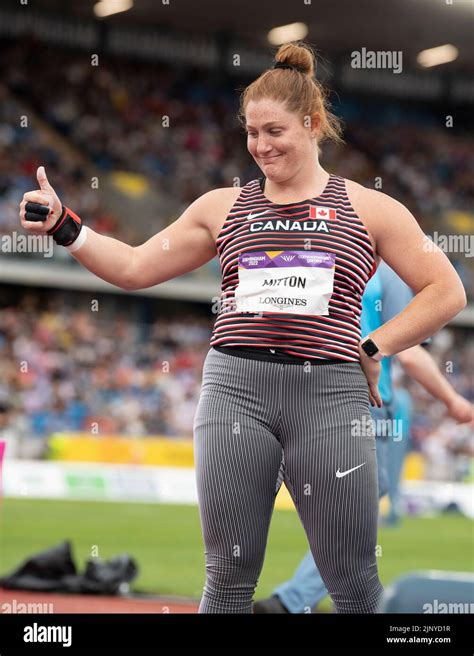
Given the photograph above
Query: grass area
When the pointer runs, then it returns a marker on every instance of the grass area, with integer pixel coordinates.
(166, 541)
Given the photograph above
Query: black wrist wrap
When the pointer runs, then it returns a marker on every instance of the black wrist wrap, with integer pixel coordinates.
(67, 228)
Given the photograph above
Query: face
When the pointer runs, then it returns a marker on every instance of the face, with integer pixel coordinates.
(278, 140)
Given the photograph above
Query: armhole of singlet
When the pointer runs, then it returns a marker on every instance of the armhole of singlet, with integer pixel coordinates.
(227, 218)
(374, 252)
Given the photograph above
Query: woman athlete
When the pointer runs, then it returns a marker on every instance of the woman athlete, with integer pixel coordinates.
(287, 381)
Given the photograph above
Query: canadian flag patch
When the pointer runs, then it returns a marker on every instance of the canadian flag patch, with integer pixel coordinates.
(322, 212)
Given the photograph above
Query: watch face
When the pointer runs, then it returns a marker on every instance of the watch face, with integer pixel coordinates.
(370, 348)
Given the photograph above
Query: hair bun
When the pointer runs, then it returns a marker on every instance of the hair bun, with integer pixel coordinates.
(301, 94)
(299, 55)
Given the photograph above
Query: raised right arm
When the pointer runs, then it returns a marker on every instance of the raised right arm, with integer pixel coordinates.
(183, 246)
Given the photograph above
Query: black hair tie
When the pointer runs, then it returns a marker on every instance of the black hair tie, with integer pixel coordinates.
(289, 66)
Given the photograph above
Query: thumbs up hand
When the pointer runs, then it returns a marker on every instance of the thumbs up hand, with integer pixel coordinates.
(40, 209)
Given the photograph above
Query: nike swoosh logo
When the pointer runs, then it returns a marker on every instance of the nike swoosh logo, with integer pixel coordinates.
(340, 474)
(254, 216)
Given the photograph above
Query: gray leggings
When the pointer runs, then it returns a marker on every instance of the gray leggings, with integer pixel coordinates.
(258, 423)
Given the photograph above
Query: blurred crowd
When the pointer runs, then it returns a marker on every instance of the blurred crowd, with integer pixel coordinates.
(448, 447)
(69, 370)
(171, 124)
(23, 147)
(178, 127)
(66, 370)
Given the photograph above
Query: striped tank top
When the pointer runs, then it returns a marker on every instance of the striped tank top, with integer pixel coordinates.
(293, 275)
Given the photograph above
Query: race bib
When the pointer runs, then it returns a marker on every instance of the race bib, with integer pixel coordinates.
(291, 282)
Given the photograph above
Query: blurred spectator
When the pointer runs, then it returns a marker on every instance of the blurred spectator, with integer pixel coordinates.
(447, 446)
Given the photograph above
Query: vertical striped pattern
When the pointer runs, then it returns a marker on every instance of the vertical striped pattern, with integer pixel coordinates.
(258, 421)
(333, 336)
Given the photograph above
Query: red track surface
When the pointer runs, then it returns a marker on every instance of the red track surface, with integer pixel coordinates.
(62, 603)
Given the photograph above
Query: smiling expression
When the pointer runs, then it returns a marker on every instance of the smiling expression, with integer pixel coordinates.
(278, 140)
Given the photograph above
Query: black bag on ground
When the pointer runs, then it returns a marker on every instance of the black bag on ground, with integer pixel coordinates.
(108, 577)
(53, 570)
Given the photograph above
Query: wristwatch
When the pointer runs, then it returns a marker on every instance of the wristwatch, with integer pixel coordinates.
(371, 349)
